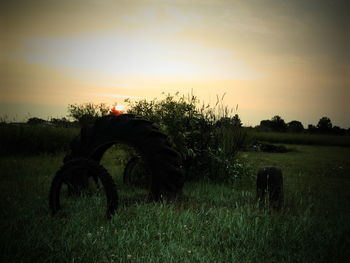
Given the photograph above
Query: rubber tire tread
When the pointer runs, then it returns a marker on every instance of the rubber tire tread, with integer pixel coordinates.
(129, 168)
(64, 174)
(163, 161)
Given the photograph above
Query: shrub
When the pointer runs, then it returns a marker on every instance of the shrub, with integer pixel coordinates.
(207, 137)
(275, 124)
(295, 126)
(87, 113)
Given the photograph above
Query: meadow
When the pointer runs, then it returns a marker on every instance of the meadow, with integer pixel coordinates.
(211, 222)
(301, 138)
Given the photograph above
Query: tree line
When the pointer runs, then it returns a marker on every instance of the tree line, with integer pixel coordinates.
(83, 114)
(324, 126)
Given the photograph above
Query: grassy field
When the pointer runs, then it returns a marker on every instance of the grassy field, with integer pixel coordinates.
(210, 223)
(34, 139)
(301, 138)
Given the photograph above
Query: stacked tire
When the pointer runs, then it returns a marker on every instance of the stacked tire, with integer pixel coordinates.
(162, 161)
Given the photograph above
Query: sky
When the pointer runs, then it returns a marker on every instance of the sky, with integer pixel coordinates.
(270, 57)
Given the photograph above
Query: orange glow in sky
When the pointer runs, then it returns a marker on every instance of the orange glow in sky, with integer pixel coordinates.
(117, 109)
(270, 57)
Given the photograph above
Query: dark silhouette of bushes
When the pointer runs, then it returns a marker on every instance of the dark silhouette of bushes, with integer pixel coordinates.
(34, 139)
(207, 137)
(35, 121)
(324, 125)
(295, 126)
(276, 124)
(87, 113)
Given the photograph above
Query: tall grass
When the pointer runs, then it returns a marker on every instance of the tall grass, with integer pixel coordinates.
(34, 139)
(210, 223)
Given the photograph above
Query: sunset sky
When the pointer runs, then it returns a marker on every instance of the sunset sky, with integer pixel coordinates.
(271, 57)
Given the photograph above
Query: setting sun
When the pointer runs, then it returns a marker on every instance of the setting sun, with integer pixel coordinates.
(175, 131)
(272, 58)
(117, 109)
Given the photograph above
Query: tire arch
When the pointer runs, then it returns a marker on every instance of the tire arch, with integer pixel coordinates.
(163, 161)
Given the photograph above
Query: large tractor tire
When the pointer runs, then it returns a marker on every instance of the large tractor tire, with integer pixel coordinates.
(76, 174)
(136, 173)
(161, 159)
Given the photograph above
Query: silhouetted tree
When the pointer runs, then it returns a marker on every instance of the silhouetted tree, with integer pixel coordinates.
(295, 126)
(311, 128)
(63, 122)
(336, 130)
(235, 121)
(265, 125)
(88, 112)
(278, 124)
(35, 121)
(324, 125)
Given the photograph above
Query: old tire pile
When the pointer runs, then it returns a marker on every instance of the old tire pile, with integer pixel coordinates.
(87, 149)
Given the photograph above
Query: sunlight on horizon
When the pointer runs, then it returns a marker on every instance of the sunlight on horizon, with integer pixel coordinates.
(269, 57)
(134, 56)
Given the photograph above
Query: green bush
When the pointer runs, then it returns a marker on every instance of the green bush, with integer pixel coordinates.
(87, 113)
(207, 137)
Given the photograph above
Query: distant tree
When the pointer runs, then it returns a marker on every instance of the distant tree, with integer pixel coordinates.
(336, 130)
(278, 124)
(34, 121)
(237, 121)
(295, 126)
(265, 125)
(324, 125)
(63, 122)
(311, 128)
(87, 113)
(234, 121)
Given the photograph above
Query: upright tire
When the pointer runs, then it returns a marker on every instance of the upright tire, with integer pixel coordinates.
(161, 159)
(269, 186)
(136, 173)
(75, 174)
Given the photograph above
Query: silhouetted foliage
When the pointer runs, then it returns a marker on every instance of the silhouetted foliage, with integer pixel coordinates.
(207, 137)
(87, 113)
(276, 124)
(265, 125)
(324, 125)
(34, 139)
(336, 130)
(62, 122)
(35, 121)
(234, 121)
(295, 126)
(311, 128)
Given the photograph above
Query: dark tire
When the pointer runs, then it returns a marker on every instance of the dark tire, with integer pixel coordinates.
(269, 186)
(75, 174)
(136, 173)
(161, 159)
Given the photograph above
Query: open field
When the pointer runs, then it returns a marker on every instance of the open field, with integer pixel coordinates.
(301, 138)
(210, 223)
(34, 139)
